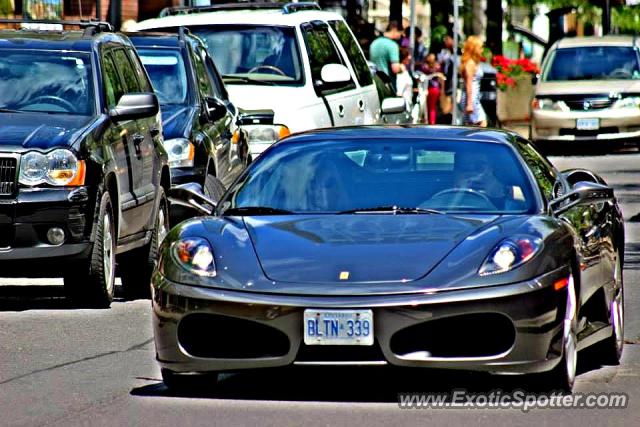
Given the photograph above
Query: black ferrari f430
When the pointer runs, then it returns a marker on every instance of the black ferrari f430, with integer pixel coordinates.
(438, 247)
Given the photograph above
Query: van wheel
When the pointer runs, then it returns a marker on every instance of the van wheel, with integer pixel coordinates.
(94, 281)
(213, 188)
(136, 266)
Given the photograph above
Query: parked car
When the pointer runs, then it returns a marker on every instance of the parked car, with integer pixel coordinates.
(302, 63)
(200, 125)
(83, 173)
(443, 247)
(588, 92)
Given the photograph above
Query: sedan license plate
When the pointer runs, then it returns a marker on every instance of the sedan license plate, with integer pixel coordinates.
(338, 327)
(588, 124)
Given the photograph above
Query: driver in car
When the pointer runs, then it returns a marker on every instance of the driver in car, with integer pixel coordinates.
(475, 171)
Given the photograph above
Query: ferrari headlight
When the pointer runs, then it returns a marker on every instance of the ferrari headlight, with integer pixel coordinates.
(266, 134)
(629, 102)
(549, 105)
(59, 167)
(181, 152)
(509, 254)
(194, 255)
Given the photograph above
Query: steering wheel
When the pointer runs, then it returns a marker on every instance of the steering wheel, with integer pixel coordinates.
(462, 192)
(267, 67)
(51, 99)
(620, 72)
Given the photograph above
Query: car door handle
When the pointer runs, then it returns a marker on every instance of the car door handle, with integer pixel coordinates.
(154, 132)
(341, 110)
(361, 105)
(137, 140)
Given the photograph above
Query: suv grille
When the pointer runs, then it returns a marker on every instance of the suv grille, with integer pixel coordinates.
(7, 176)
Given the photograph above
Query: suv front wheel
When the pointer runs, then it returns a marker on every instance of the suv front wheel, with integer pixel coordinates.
(92, 284)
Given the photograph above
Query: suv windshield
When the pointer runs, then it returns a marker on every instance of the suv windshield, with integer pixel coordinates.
(593, 63)
(368, 174)
(255, 53)
(45, 81)
(167, 73)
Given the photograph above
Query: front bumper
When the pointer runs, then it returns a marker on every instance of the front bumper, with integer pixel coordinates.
(616, 125)
(531, 343)
(24, 221)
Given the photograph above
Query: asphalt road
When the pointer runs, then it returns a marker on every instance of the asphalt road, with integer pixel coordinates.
(60, 366)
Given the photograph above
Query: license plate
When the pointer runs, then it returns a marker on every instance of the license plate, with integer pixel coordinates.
(588, 124)
(338, 327)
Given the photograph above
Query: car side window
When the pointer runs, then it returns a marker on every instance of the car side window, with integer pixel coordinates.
(113, 89)
(143, 81)
(204, 82)
(541, 168)
(353, 51)
(123, 64)
(214, 75)
(321, 50)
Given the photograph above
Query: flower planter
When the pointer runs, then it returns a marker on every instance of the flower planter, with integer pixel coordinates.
(514, 103)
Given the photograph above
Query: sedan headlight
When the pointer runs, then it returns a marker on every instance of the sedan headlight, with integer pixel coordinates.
(263, 134)
(59, 167)
(195, 256)
(549, 105)
(629, 102)
(181, 152)
(509, 254)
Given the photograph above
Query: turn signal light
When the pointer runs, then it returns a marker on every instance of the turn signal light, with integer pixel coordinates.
(284, 131)
(560, 284)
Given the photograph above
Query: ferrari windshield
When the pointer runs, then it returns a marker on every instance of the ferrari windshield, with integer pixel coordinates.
(248, 54)
(46, 81)
(375, 175)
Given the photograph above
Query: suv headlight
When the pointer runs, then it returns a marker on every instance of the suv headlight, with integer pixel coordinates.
(629, 102)
(547, 104)
(59, 167)
(263, 134)
(181, 152)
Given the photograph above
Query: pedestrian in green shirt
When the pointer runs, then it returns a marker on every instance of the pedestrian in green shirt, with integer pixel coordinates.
(385, 51)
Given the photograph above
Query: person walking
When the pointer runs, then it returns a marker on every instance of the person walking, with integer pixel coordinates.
(445, 59)
(474, 114)
(432, 69)
(404, 81)
(384, 51)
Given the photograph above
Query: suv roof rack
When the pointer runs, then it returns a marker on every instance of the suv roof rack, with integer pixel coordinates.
(241, 5)
(90, 27)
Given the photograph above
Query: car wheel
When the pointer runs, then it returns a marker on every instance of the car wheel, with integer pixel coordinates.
(610, 350)
(213, 188)
(188, 383)
(563, 376)
(136, 266)
(94, 282)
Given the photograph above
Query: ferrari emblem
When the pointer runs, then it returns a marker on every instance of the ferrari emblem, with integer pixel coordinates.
(344, 275)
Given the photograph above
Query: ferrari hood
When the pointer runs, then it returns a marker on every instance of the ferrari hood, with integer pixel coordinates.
(353, 249)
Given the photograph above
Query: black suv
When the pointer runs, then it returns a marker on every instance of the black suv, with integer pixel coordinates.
(83, 172)
(201, 133)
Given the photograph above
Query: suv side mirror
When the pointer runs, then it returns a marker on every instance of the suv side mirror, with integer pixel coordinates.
(215, 108)
(395, 105)
(191, 196)
(134, 106)
(582, 193)
(335, 73)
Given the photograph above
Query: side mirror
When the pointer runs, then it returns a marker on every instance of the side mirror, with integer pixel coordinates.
(335, 73)
(192, 196)
(215, 108)
(582, 193)
(395, 105)
(134, 106)
(534, 79)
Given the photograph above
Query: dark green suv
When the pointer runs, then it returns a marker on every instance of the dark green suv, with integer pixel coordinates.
(83, 171)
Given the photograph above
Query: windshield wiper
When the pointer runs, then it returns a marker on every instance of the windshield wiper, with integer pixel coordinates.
(8, 110)
(229, 77)
(392, 209)
(256, 210)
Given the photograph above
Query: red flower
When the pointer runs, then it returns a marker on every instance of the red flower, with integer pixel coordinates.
(509, 69)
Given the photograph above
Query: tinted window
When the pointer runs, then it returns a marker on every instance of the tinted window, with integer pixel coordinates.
(112, 86)
(321, 50)
(353, 52)
(168, 74)
(542, 170)
(593, 63)
(142, 77)
(204, 82)
(52, 82)
(262, 52)
(332, 176)
(126, 70)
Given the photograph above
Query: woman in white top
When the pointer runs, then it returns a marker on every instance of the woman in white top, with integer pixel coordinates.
(404, 82)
